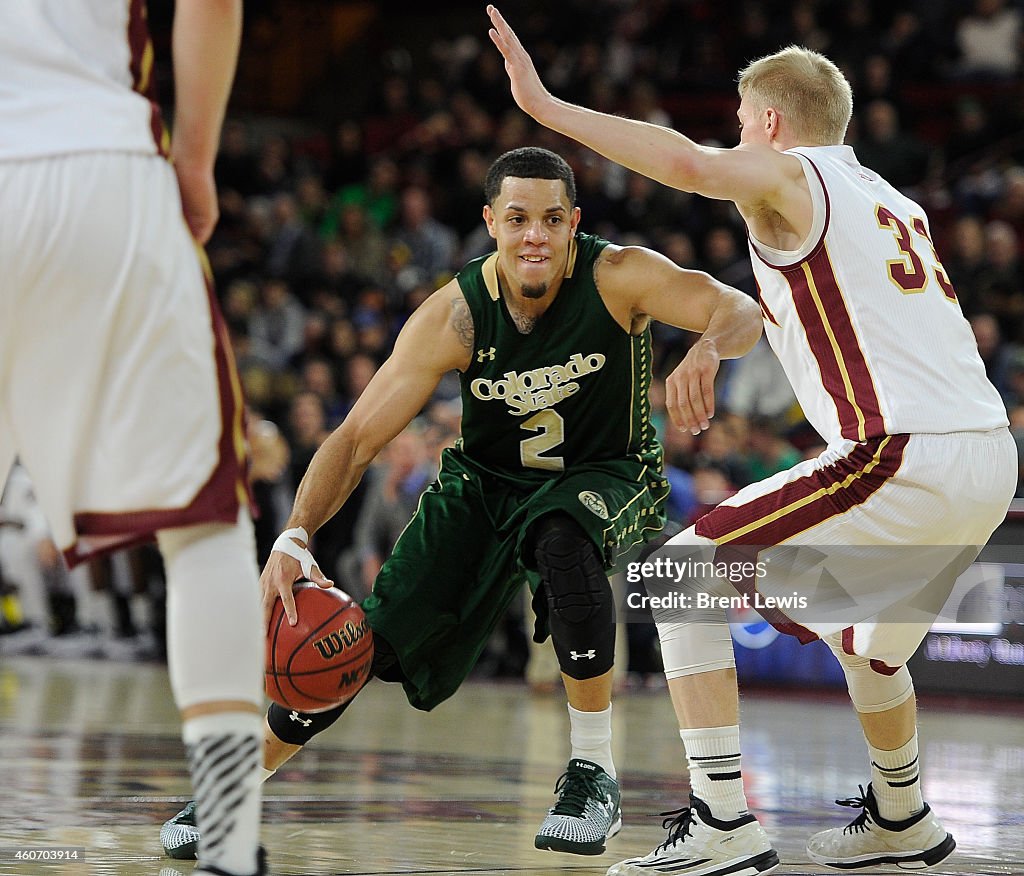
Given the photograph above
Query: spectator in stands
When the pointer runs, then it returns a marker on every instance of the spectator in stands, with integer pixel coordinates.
(885, 148)
(277, 328)
(392, 495)
(768, 452)
(432, 246)
(989, 39)
(994, 353)
(725, 262)
(366, 247)
(1002, 282)
(966, 263)
(293, 251)
(318, 376)
(756, 385)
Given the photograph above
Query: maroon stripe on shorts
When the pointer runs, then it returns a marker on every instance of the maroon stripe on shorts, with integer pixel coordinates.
(798, 505)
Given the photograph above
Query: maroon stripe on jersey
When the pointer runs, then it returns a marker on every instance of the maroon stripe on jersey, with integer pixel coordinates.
(817, 333)
(798, 505)
(851, 354)
(141, 66)
(765, 310)
(821, 238)
(218, 500)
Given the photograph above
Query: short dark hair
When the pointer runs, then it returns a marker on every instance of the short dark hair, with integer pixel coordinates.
(529, 162)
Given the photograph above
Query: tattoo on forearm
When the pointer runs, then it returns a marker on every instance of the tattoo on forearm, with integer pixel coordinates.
(462, 321)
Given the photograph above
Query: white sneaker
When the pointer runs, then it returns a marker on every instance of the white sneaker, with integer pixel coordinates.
(917, 843)
(698, 844)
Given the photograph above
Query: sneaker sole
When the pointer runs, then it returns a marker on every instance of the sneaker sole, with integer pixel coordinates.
(759, 865)
(908, 861)
(558, 844)
(186, 852)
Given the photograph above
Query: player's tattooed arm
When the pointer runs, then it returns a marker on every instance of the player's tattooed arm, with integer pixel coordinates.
(617, 297)
(462, 321)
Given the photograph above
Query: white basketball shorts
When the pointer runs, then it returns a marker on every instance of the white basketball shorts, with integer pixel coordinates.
(865, 541)
(117, 386)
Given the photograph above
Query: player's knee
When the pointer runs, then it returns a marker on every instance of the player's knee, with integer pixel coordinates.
(212, 575)
(574, 577)
(871, 690)
(581, 609)
(702, 643)
(297, 728)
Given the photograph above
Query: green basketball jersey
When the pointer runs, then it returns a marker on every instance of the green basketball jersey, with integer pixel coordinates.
(574, 390)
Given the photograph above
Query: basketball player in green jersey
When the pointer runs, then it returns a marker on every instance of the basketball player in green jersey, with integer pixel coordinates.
(557, 472)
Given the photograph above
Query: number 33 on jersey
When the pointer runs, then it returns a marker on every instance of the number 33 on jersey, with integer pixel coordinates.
(875, 342)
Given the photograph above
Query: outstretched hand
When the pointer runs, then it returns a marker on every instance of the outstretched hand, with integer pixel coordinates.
(290, 561)
(690, 388)
(527, 89)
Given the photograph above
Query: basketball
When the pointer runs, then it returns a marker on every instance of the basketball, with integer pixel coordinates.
(325, 658)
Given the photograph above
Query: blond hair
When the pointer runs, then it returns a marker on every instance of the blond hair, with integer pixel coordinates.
(809, 91)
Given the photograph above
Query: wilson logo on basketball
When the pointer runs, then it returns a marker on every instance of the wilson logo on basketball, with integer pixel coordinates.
(334, 643)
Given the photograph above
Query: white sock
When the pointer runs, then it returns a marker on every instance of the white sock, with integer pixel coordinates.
(590, 734)
(713, 755)
(224, 755)
(896, 780)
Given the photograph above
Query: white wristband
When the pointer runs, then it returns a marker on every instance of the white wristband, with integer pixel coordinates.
(285, 545)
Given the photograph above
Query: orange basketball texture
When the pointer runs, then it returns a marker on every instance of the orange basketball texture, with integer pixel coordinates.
(325, 658)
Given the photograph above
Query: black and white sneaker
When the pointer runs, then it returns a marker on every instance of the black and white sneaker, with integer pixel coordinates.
(587, 812)
(179, 835)
(698, 844)
(916, 843)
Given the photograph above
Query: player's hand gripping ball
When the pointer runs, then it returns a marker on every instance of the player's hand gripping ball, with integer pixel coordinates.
(325, 658)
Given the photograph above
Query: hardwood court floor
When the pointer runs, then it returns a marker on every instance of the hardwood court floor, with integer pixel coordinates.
(90, 756)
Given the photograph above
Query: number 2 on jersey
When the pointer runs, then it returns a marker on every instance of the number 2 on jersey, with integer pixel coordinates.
(909, 273)
(551, 427)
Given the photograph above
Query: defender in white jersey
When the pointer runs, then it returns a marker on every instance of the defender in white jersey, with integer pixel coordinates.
(117, 387)
(866, 324)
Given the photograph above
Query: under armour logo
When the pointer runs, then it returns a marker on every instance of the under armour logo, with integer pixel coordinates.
(586, 655)
(305, 722)
(485, 354)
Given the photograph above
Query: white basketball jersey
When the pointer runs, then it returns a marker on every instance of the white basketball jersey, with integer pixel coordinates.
(75, 76)
(863, 316)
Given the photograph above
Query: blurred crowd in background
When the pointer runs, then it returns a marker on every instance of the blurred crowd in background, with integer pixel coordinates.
(339, 218)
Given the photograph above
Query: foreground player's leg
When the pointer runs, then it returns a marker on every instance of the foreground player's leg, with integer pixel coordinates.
(285, 732)
(895, 825)
(216, 673)
(715, 834)
(581, 613)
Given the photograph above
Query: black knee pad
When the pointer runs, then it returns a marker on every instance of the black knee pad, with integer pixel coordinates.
(581, 610)
(297, 728)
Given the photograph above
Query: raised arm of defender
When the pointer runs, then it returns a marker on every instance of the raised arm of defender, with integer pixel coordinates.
(637, 283)
(753, 176)
(437, 338)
